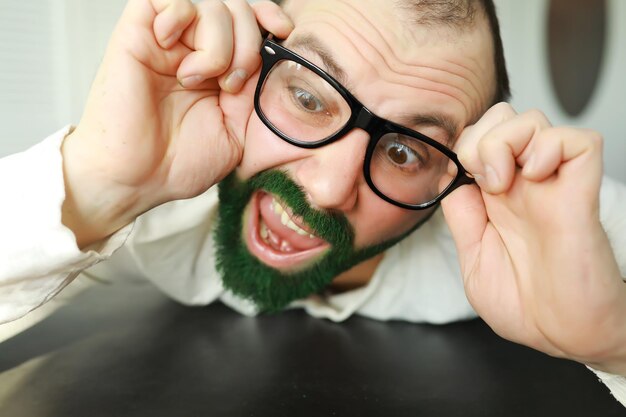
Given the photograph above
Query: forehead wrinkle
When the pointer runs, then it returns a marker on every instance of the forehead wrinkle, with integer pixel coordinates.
(309, 42)
(449, 35)
(474, 80)
(462, 73)
(402, 70)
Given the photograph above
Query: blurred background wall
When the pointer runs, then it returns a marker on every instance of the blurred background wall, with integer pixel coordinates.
(50, 50)
(526, 36)
(49, 53)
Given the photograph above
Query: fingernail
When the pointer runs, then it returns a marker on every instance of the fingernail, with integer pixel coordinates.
(172, 39)
(235, 80)
(492, 177)
(191, 81)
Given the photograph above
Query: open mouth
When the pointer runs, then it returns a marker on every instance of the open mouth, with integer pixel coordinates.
(277, 237)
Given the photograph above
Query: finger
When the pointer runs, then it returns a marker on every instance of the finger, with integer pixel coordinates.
(211, 39)
(467, 144)
(272, 18)
(500, 148)
(173, 17)
(466, 217)
(553, 147)
(247, 42)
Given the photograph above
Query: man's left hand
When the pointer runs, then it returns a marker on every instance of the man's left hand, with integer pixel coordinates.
(536, 262)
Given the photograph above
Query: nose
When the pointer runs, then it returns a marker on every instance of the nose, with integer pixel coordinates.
(332, 175)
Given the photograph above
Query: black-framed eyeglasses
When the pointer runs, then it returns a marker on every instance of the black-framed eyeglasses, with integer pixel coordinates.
(308, 108)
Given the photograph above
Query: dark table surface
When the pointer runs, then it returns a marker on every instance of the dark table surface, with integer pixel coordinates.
(129, 351)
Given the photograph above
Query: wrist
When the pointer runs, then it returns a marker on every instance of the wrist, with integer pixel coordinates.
(95, 206)
(613, 358)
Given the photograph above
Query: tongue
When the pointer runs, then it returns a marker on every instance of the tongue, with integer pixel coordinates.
(291, 238)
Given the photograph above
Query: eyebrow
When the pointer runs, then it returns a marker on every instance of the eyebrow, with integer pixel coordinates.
(438, 120)
(311, 43)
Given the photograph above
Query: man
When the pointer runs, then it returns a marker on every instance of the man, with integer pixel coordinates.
(347, 153)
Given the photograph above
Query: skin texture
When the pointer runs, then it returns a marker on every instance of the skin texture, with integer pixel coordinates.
(165, 120)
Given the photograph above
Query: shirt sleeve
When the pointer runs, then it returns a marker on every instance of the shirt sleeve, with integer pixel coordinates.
(615, 383)
(612, 209)
(38, 254)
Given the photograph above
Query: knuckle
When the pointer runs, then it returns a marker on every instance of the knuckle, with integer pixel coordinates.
(504, 110)
(538, 117)
(186, 7)
(563, 134)
(552, 138)
(554, 134)
(595, 137)
(490, 139)
(265, 4)
(239, 4)
(485, 144)
(210, 7)
(501, 106)
(219, 62)
(181, 10)
(534, 113)
(248, 55)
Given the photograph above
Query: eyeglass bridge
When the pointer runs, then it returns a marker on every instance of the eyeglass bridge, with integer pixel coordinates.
(367, 121)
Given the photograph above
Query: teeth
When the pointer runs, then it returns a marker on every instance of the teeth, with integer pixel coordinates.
(278, 209)
(285, 246)
(264, 232)
(286, 221)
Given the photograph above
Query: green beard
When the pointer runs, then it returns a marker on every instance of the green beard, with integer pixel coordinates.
(269, 288)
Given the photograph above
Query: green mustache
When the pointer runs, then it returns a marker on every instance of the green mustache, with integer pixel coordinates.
(332, 227)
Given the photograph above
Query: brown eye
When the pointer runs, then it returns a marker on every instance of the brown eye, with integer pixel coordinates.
(307, 100)
(397, 155)
(402, 153)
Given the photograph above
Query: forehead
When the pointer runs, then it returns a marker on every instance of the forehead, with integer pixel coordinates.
(391, 61)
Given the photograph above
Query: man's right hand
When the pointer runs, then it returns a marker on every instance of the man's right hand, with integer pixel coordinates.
(154, 129)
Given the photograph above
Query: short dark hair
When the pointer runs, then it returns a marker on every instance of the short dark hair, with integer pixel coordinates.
(503, 88)
(461, 14)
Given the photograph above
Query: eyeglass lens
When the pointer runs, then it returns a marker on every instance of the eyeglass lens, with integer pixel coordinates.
(303, 106)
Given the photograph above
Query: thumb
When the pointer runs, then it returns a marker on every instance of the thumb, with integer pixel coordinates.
(466, 215)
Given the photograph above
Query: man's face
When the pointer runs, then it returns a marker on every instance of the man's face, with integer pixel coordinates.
(431, 79)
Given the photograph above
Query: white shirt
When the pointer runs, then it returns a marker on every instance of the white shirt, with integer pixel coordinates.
(418, 279)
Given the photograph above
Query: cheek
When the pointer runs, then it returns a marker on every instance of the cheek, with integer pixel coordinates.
(263, 150)
(377, 221)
